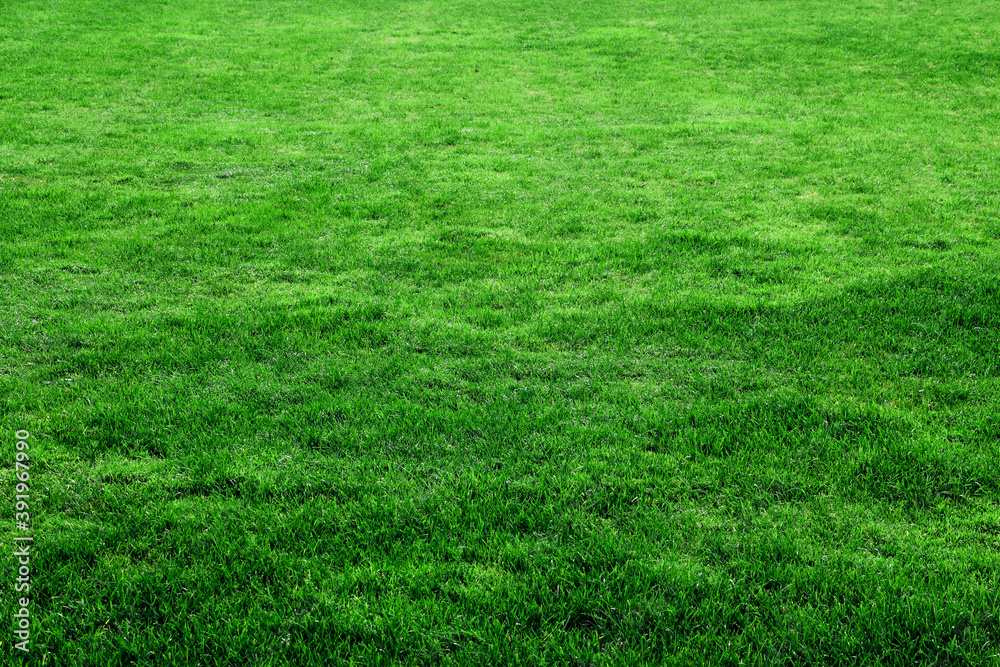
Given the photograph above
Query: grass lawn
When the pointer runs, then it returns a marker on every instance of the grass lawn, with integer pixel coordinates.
(501, 332)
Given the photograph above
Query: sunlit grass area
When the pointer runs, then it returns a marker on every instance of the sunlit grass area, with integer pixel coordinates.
(541, 333)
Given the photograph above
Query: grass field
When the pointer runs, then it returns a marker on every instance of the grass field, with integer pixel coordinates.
(482, 333)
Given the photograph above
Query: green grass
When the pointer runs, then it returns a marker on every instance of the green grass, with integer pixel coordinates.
(474, 333)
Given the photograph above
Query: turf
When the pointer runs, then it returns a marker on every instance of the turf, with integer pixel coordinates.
(537, 333)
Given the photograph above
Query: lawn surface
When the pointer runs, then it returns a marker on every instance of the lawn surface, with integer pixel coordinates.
(528, 333)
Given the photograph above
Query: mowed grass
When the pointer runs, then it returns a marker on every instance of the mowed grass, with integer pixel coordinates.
(472, 333)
